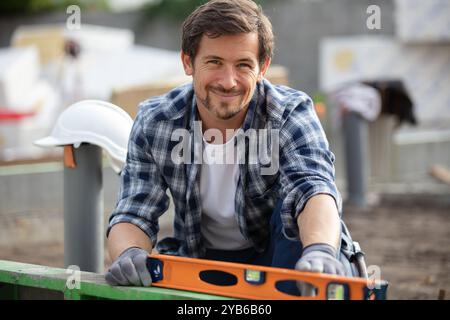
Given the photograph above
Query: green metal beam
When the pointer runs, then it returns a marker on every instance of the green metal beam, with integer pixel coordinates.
(15, 275)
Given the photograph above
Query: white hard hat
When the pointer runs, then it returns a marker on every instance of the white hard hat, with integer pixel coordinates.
(96, 122)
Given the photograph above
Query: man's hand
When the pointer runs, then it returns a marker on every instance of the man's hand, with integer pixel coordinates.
(320, 258)
(130, 269)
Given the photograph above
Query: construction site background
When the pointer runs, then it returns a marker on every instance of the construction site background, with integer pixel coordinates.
(406, 228)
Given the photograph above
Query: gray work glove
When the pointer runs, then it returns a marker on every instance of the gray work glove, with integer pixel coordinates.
(130, 269)
(321, 258)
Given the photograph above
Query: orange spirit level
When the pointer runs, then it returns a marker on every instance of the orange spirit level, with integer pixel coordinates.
(255, 282)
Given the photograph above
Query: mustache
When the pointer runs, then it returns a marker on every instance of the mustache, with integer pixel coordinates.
(221, 89)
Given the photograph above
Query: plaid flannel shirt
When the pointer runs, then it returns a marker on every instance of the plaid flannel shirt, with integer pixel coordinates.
(305, 168)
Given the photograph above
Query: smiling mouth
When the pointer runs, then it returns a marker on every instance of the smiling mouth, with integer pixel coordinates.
(226, 95)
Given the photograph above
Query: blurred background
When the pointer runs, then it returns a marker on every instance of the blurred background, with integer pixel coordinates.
(378, 71)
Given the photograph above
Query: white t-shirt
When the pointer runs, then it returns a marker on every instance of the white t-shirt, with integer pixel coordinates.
(218, 184)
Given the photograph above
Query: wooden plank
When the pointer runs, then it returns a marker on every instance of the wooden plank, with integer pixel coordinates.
(91, 286)
(45, 159)
(441, 173)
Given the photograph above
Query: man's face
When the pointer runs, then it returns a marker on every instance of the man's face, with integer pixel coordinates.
(225, 72)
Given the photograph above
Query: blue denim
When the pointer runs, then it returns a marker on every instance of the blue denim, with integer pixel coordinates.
(281, 253)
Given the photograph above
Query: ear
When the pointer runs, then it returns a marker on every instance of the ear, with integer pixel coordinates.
(264, 68)
(187, 64)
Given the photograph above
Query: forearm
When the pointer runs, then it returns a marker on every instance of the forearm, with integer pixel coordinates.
(125, 235)
(319, 221)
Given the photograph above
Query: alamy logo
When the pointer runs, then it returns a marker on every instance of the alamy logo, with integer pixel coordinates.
(263, 147)
(157, 270)
(374, 276)
(74, 278)
(74, 20)
(374, 20)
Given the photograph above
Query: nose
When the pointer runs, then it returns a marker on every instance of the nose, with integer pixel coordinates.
(228, 78)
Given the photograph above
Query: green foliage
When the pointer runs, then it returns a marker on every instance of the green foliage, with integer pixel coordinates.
(319, 97)
(34, 6)
(171, 9)
(177, 9)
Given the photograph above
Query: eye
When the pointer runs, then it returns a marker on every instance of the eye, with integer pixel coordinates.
(244, 66)
(214, 61)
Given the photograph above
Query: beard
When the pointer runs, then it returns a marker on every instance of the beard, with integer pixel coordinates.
(223, 110)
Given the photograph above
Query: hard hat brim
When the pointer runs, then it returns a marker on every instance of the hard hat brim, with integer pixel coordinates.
(48, 142)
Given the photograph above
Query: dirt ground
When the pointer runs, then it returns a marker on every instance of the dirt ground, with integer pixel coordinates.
(410, 245)
(409, 242)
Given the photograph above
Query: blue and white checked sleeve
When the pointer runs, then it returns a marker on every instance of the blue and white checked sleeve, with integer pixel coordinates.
(142, 196)
(306, 164)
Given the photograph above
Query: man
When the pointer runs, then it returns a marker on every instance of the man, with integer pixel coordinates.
(237, 210)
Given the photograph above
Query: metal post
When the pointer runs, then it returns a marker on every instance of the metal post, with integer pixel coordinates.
(356, 136)
(83, 210)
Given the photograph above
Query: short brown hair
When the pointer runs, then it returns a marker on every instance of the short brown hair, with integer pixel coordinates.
(224, 17)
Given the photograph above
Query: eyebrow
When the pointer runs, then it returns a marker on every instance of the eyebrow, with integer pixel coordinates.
(219, 58)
